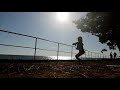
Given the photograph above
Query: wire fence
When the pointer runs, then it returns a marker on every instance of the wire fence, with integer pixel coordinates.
(87, 55)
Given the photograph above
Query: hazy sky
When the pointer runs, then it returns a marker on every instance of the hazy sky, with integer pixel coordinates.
(45, 25)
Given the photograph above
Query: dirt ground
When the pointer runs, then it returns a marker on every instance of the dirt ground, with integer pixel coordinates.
(60, 69)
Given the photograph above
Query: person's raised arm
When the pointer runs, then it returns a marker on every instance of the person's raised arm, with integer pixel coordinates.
(74, 43)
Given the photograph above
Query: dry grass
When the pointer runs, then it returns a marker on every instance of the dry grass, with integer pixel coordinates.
(60, 69)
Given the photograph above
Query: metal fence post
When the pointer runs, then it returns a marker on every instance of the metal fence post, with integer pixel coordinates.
(85, 54)
(88, 54)
(35, 48)
(95, 55)
(98, 55)
(58, 51)
(71, 52)
(91, 55)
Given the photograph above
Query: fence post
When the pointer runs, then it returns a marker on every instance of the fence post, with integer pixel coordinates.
(95, 55)
(71, 52)
(35, 48)
(58, 51)
(88, 53)
(85, 54)
(91, 55)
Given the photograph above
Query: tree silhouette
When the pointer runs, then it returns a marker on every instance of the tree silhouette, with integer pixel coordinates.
(105, 25)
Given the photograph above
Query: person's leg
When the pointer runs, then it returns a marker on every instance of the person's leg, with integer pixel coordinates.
(79, 54)
(77, 57)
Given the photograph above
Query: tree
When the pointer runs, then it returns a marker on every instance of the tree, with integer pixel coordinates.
(105, 25)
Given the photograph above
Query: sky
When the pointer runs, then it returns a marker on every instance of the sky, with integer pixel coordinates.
(47, 25)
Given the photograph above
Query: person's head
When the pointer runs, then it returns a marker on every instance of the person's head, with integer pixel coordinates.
(80, 38)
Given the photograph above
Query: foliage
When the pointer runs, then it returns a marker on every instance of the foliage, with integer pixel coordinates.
(104, 25)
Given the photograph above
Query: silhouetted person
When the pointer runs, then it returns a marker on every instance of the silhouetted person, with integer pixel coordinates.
(79, 45)
(111, 56)
(115, 54)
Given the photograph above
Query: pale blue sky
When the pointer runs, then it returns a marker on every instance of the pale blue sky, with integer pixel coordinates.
(44, 25)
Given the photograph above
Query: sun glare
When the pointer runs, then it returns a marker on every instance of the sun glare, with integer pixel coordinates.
(62, 16)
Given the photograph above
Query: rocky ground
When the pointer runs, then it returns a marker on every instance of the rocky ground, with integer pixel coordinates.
(60, 69)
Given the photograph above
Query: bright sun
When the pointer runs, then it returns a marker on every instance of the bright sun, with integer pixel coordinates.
(62, 16)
